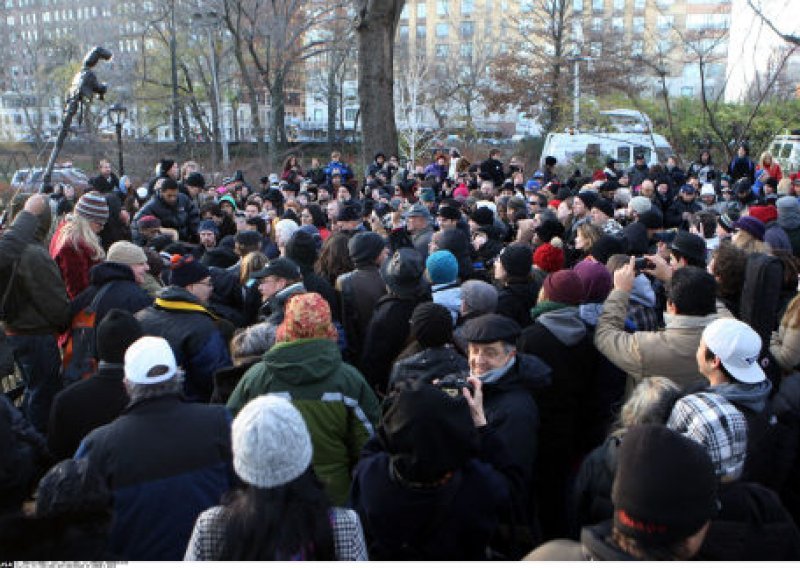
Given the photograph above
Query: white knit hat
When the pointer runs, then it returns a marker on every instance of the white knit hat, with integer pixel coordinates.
(271, 443)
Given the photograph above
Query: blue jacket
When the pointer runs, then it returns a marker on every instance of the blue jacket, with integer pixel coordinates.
(343, 168)
(192, 332)
(166, 461)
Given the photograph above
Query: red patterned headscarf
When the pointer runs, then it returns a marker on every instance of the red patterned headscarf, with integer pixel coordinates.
(307, 316)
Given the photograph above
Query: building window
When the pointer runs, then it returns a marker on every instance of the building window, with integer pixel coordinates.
(707, 21)
(618, 24)
(687, 91)
(598, 5)
(595, 49)
(442, 7)
(442, 30)
(467, 29)
(421, 9)
(637, 48)
(442, 50)
(639, 4)
(619, 5)
(664, 23)
(403, 32)
(350, 114)
(577, 5)
(404, 12)
(467, 7)
(466, 50)
(638, 25)
(421, 31)
(597, 24)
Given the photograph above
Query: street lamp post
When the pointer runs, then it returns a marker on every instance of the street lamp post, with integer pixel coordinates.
(210, 21)
(117, 114)
(576, 91)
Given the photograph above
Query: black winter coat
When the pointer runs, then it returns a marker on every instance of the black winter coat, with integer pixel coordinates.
(752, 525)
(114, 230)
(512, 411)
(516, 299)
(183, 217)
(387, 335)
(455, 521)
(429, 364)
(591, 495)
(492, 169)
(83, 406)
(122, 292)
(561, 340)
(24, 456)
(673, 217)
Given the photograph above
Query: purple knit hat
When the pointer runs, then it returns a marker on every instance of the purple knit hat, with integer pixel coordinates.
(751, 225)
(596, 281)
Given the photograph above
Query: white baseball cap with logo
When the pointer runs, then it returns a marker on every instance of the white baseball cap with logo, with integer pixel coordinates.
(149, 361)
(738, 346)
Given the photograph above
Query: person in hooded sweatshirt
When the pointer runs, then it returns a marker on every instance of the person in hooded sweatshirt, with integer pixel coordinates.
(338, 406)
(751, 523)
(789, 220)
(518, 289)
(558, 337)
(728, 356)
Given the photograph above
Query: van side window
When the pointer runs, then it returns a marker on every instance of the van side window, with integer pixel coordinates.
(643, 150)
(624, 154)
(787, 150)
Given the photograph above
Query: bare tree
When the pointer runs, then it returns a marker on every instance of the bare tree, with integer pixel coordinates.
(787, 37)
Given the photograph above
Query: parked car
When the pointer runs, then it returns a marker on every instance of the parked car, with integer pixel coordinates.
(785, 149)
(30, 179)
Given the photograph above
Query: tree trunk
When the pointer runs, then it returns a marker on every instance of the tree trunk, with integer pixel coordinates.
(333, 105)
(375, 28)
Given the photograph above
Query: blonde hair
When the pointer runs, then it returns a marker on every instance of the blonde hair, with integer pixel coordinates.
(590, 233)
(791, 318)
(749, 244)
(77, 231)
(766, 155)
(252, 262)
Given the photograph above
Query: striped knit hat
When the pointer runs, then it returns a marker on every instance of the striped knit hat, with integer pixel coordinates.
(93, 207)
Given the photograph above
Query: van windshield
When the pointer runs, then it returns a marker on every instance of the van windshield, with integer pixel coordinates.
(786, 151)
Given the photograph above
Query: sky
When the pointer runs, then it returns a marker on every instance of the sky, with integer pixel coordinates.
(751, 42)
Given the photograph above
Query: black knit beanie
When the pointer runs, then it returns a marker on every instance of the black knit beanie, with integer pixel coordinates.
(665, 488)
(431, 325)
(115, 333)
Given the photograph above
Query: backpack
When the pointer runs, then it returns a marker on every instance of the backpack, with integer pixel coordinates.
(759, 304)
(80, 350)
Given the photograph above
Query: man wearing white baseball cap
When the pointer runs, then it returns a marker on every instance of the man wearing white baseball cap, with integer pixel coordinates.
(728, 356)
(166, 460)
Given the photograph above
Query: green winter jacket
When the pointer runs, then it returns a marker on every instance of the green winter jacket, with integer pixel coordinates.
(339, 407)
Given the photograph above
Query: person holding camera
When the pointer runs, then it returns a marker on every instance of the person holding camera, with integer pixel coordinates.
(435, 483)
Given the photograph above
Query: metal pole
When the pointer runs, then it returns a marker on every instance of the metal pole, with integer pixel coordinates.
(119, 148)
(173, 54)
(576, 95)
(71, 110)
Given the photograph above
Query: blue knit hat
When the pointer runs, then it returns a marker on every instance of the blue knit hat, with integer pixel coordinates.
(208, 225)
(442, 267)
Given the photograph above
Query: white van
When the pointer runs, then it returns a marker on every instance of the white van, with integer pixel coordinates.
(622, 146)
(785, 149)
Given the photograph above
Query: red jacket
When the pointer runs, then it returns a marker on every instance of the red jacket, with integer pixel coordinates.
(73, 263)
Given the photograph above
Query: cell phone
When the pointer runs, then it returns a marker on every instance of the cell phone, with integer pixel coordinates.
(642, 263)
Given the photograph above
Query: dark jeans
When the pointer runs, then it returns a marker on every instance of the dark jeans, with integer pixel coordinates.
(39, 362)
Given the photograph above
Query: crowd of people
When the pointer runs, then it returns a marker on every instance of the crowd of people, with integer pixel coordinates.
(443, 361)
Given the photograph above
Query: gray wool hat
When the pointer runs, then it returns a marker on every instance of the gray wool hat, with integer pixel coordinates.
(640, 204)
(479, 297)
(271, 443)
